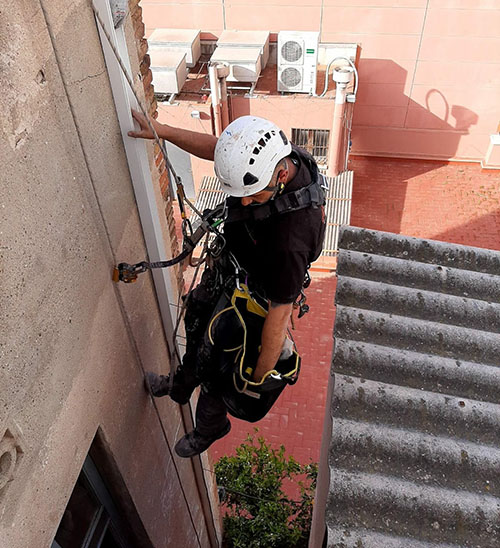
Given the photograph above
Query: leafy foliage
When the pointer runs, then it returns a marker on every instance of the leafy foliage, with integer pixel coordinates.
(259, 513)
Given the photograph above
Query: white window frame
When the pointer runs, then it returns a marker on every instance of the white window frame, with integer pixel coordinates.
(138, 163)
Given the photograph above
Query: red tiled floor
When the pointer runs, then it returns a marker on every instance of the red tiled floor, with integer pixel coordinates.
(453, 202)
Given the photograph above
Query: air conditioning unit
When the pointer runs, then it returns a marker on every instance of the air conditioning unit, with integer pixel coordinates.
(246, 39)
(297, 61)
(244, 63)
(177, 40)
(169, 71)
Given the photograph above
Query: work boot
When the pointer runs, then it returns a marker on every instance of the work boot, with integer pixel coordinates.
(157, 385)
(194, 443)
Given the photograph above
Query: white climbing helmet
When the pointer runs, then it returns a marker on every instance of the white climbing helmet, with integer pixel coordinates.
(247, 153)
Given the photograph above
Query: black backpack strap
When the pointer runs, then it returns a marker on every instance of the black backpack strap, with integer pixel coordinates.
(311, 195)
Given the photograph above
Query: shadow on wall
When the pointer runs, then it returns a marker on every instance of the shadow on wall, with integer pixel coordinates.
(481, 232)
(389, 122)
(379, 191)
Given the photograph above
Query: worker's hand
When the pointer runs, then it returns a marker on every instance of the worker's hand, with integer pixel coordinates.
(145, 131)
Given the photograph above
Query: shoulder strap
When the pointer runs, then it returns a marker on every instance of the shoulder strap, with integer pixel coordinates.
(308, 161)
(311, 195)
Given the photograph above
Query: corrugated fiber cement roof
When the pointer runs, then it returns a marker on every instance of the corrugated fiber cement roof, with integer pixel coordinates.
(415, 450)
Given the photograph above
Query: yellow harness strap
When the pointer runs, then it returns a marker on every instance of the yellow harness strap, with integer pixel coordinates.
(253, 307)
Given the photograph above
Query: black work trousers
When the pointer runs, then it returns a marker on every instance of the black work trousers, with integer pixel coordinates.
(200, 363)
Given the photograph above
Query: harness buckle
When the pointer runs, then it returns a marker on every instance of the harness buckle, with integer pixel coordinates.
(301, 305)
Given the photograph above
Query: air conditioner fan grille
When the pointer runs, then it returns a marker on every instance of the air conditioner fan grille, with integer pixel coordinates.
(291, 77)
(291, 51)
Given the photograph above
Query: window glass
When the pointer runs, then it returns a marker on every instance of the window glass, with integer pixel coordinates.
(82, 510)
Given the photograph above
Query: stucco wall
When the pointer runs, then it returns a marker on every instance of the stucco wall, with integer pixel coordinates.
(429, 69)
(73, 344)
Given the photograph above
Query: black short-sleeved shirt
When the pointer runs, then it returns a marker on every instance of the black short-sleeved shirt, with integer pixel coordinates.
(277, 251)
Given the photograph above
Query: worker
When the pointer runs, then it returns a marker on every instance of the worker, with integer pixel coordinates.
(258, 167)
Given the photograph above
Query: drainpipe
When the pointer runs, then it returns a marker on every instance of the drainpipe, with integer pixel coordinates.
(222, 74)
(217, 74)
(342, 77)
(215, 94)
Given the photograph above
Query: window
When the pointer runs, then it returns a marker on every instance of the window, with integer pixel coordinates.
(315, 141)
(91, 519)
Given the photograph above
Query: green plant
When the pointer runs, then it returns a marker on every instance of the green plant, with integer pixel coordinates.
(259, 514)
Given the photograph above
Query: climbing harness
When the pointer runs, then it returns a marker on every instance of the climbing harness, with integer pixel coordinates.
(235, 330)
(243, 305)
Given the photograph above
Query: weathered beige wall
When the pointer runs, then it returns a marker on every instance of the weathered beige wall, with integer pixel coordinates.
(73, 344)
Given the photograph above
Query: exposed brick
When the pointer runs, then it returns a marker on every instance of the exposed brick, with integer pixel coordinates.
(150, 95)
(159, 161)
(136, 15)
(148, 78)
(164, 182)
(139, 30)
(142, 47)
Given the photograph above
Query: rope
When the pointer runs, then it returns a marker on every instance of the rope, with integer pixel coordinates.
(181, 310)
(159, 142)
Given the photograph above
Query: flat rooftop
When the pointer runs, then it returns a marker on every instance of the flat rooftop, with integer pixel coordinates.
(197, 86)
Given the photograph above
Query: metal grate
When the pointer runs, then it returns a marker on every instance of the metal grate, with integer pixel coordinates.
(315, 141)
(210, 194)
(337, 209)
(291, 51)
(291, 77)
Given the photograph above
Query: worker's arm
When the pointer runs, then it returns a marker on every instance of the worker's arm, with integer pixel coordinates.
(193, 142)
(273, 337)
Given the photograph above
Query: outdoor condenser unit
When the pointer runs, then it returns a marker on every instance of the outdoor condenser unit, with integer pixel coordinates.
(297, 61)
(244, 62)
(169, 71)
(246, 39)
(177, 40)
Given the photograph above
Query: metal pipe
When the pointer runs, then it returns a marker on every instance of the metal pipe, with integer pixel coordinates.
(222, 74)
(342, 77)
(215, 94)
(353, 66)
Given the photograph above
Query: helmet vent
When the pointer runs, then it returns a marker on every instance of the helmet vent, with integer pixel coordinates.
(283, 136)
(249, 179)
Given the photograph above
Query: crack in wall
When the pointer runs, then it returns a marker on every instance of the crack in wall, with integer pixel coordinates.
(89, 77)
